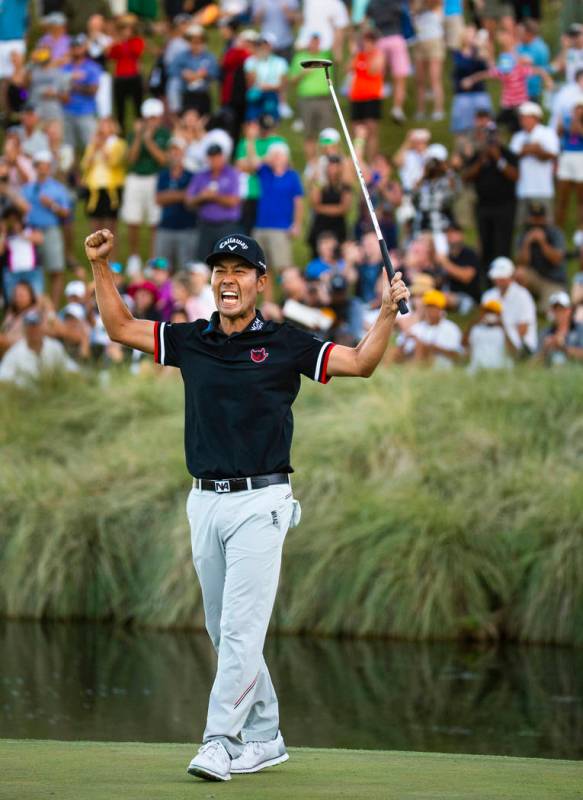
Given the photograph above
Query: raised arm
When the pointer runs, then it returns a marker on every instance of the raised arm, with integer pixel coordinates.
(120, 325)
(362, 360)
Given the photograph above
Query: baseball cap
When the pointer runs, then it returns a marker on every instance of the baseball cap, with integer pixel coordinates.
(276, 147)
(79, 40)
(249, 35)
(28, 106)
(536, 209)
(501, 267)
(492, 306)
(146, 286)
(578, 238)
(422, 134)
(116, 267)
(329, 136)
(266, 121)
(32, 317)
(338, 283)
(194, 31)
(437, 152)
(238, 244)
(575, 29)
(41, 55)
(578, 100)
(152, 107)
(434, 298)
(75, 310)
(530, 109)
(158, 263)
(75, 289)
(268, 38)
(56, 18)
(214, 149)
(560, 299)
(197, 268)
(43, 157)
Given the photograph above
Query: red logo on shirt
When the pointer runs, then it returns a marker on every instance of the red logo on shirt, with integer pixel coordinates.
(259, 355)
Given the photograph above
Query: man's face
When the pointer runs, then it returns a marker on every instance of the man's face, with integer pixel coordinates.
(175, 156)
(314, 44)
(372, 251)
(454, 239)
(78, 52)
(43, 170)
(29, 119)
(216, 162)
(537, 221)
(433, 315)
(527, 122)
(560, 314)
(196, 44)
(502, 283)
(34, 335)
(235, 286)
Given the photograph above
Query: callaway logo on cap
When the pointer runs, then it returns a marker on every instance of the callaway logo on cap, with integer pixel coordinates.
(246, 248)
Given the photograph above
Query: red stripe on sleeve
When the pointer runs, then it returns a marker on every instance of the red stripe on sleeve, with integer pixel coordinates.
(157, 342)
(323, 376)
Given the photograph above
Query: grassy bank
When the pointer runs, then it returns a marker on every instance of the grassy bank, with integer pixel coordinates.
(434, 507)
(94, 771)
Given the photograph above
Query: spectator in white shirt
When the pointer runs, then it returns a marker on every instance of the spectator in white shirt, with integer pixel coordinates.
(488, 342)
(537, 147)
(330, 19)
(34, 354)
(435, 340)
(518, 308)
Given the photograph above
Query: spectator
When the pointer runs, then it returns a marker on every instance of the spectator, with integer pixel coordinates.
(103, 174)
(330, 204)
(12, 329)
(197, 68)
(429, 53)
(13, 27)
(328, 17)
(10, 196)
(541, 255)
(126, 51)
(266, 80)
(19, 254)
(385, 195)
(570, 59)
(79, 100)
(570, 169)
(366, 89)
(467, 61)
(518, 309)
(56, 38)
(46, 85)
(367, 264)
(176, 237)
(462, 281)
(315, 110)
(562, 341)
(563, 100)
(145, 296)
(48, 204)
(31, 137)
(277, 19)
(201, 302)
(328, 145)
(386, 16)
(328, 260)
(536, 146)
(34, 355)
(488, 342)
(233, 81)
(147, 154)
(434, 340)
(532, 46)
(16, 93)
(280, 208)
(410, 157)
(453, 23)
(176, 44)
(493, 171)
(157, 271)
(215, 194)
(434, 194)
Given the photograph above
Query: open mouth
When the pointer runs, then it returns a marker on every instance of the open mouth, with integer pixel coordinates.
(229, 298)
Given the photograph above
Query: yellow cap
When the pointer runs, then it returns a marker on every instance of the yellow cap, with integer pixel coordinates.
(434, 298)
(495, 306)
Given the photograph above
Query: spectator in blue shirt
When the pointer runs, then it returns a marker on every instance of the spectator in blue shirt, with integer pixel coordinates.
(82, 74)
(196, 68)
(176, 236)
(280, 206)
(537, 50)
(328, 260)
(13, 24)
(48, 205)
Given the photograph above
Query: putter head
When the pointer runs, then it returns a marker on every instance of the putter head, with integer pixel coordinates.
(316, 63)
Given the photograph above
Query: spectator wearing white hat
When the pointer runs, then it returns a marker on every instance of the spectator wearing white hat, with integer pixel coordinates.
(562, 341)
(83, 76)
(201, 302)
(48, 205)
(410, 157)
(147, 154)
(570, 168)
(434, 195)
(518, 308)
(537, 147)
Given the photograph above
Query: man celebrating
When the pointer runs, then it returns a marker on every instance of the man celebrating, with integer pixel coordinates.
(241, 376)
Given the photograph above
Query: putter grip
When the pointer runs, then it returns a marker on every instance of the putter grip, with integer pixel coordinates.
(391, 272)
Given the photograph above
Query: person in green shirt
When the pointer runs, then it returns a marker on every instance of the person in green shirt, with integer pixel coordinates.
(262, 132)
(147, 154)
(315, 106)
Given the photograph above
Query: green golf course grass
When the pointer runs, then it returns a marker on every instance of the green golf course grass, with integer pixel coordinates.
(34, 770)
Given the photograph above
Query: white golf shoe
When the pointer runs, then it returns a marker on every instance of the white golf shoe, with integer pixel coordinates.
(259, 755)
(212, 762)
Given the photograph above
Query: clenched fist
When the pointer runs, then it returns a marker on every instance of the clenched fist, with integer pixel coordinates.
(98, 245)
(393, 292)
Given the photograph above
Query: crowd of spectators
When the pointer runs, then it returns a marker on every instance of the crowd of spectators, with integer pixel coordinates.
(172, 124)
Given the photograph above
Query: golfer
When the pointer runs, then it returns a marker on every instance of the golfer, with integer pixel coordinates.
(241, 376)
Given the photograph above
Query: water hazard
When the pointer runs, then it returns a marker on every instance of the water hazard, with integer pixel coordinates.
(101, 683)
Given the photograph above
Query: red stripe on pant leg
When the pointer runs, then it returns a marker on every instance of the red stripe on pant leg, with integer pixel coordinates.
(245, 693)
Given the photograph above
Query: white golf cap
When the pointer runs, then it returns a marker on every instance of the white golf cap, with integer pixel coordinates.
(74, 310)
(269, 38)
(501, 267)
(152, 107)
(422, 134)
(329, 136)
(278, 147)
(194, 30)
(436, 151)
(75, 289)
(578, 101)
(249, 35)
(198, 268)
(578, 238)
(530, 109)
(560, 299)
(43, 157)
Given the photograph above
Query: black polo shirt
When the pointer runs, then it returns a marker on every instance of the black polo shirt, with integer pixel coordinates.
(239, 390)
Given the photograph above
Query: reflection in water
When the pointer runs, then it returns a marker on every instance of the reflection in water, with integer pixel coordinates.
(101, 683)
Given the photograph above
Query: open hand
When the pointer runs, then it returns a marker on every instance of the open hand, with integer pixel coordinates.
(98, 245)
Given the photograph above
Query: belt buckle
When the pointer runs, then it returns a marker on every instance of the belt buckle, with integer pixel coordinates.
(222, 486)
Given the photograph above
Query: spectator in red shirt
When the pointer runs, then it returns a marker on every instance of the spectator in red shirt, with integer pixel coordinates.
(233, 82)
(126, 52)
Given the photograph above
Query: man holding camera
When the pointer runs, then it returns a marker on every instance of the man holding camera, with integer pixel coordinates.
(493, 169)
(541, 256)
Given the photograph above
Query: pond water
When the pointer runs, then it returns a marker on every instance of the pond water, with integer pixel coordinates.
(102, 683)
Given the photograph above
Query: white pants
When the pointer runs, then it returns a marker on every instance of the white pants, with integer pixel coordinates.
(237, 542)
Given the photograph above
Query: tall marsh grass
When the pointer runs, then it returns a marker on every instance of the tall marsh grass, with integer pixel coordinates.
(434, 507)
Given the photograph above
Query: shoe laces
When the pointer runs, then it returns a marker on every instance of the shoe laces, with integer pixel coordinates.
(211, 747)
